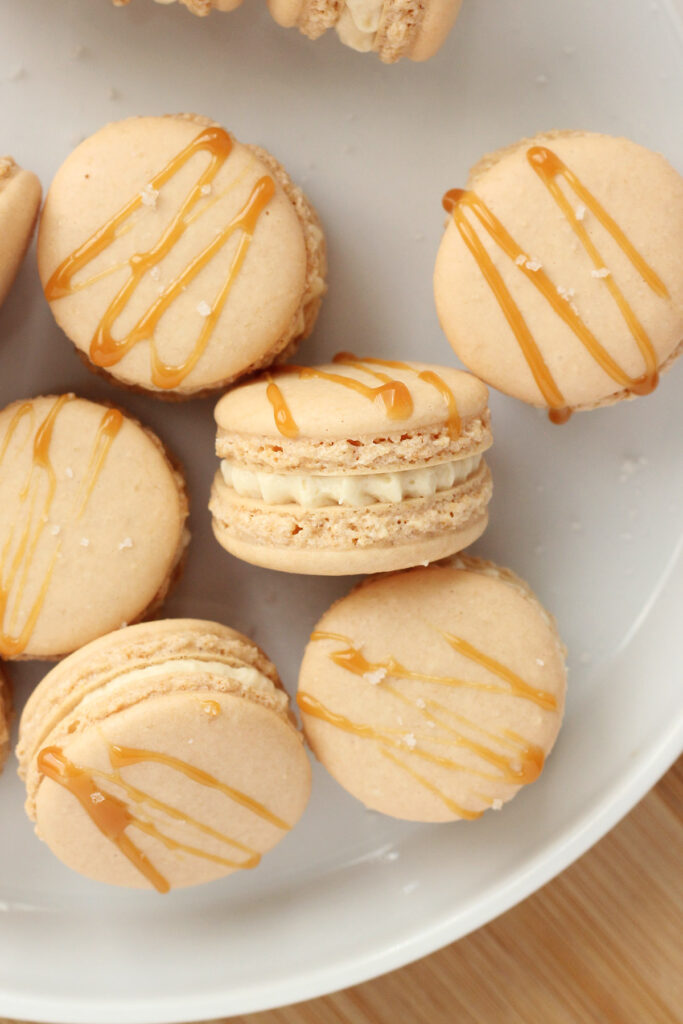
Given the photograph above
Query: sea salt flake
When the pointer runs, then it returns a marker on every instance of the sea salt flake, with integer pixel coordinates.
(420, 703)
(602, 272)
(69, 472)
(97, 798)
(540, 661)
(580, 211)
(55, 529)
(155, 273)
(127, 542)
(410, 741)
(520, 260)
(205, 190)
(376, 676)
(149, 196)
(203, 308)
(533, 264)
(85, 543)
(497, 805)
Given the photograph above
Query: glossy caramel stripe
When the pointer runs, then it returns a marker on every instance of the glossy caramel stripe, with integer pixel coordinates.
(458, 809)
(549, 167)
(351, 659)
(428, 376)
(16, 575)
(112, 816)
(106, 351)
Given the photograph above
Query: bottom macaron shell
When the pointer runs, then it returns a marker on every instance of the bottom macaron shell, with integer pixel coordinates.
(188, 788)
(336, 541)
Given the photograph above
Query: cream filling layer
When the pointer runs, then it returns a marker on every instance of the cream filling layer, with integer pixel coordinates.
(353, 489)
(358, 23)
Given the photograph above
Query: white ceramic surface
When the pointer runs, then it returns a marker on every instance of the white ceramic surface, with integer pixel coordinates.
(589, 513)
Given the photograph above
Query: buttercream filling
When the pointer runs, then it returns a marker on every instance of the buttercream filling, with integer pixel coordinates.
(353, 489)
(358, 23)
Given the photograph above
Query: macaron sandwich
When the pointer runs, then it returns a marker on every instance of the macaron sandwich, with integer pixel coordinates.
(20, 194)
(5, 717)
(163, 755)
(559, 279)
(361, 465)
(177, 259)
(434, 694)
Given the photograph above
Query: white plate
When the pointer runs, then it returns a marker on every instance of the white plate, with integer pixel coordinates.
(589, 513)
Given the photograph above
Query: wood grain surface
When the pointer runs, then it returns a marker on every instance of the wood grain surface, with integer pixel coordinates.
(602, 944)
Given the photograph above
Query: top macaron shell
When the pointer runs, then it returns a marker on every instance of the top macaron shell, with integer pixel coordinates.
(644, 196)
(92, 523)
(20, 194)
(263, 311)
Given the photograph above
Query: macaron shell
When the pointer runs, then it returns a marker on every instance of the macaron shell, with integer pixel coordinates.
(241, 744)
(437, 21)
(337, 541)
(114, 166)
(642, 193)
(113, 532)
(20, 194)
(400, 620)
(5, 717)
(324, 409)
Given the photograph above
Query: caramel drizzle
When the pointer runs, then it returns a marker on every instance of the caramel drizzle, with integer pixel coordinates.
(105, 350)
(112, 816)
(211, 708)
(428, 376)
(549, 168)
(15, 569)
(394, 394)
(521, 766)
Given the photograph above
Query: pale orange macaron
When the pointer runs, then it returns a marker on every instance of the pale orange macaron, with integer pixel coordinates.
(20, 194)
(435, 694)
(559, 278)
(177, 259)
(162, 756)
(356, 466)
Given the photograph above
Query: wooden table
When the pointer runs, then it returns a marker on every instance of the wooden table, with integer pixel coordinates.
(602, 944)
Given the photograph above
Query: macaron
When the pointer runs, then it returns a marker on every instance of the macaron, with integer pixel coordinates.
(198, 7)
(20, 194)
(163, 755)
(177, 259)
(5, 717)
(559, 279)
(92, 524)
(434, 694)
(357, 466)
(390, 28)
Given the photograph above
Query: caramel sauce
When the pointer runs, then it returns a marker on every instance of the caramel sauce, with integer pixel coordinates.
(122, 757)
(105, 350)
(393, 394)
(518, 763)
(458, 809)
(113, 816)
(351, 659)
(549, 168)
(211, 708)
(15, 565)
(284, 421)
(112, 421)
(428, 376)
(107, 813)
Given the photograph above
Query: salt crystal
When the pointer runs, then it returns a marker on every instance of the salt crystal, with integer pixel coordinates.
(155, 273)
(391, 855)
(55, 529)
(520, 260)
(127, 542)
(410, 741)
(375, 677)
(420, 703)
(97, 798)
(540, 661)
(602, 272)
(69, 472)
(149, 196)
(203, 308)
(580, 211)
(497, 805)
(205, 190)
(533, 264)
(85, 542)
